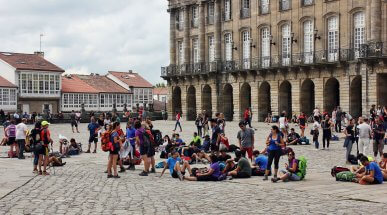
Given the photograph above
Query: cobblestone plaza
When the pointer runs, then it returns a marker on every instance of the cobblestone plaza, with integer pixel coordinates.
(81, 187)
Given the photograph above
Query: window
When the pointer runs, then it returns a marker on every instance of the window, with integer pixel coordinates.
(358, 31)
(211, 49)
(246, 49)
(180, 53)
(211, 13)
(308, 41)
(307, 2)
(264, 6)
(265, 47)
(333, 39)
(7, 96)
(195, 50)
(180, 20)
(75, 100)
(227, 10)
(245, 9)
(228, 46)
(195, 16)
(284, 4)
(286, 45)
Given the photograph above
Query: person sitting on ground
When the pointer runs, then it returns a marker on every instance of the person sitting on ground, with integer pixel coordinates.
(372, 174)
(206, 143)
(55, 161)
(292, 172)
(293, 138)
(64, 146)
(177, 141)
(360, 168)
(260, 163)
(191, 151)
(74, 148)
(223, 156)
(223, 142)
(243, 169)
(212, 174)
(383, 166)
(173, 163)
(196, 141)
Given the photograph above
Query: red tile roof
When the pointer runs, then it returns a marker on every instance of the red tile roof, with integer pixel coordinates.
(132, 79)
(160, 91)
(5, 83)
(28, 62)
(72, 84)
(102, 84)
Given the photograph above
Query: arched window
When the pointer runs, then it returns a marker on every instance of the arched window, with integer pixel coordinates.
(246, 49)
(308, 41)
(211, 49)
(286, 44)
(195, 50)
(333, 38)
(265, 47)
(228, 46)
(358, 31)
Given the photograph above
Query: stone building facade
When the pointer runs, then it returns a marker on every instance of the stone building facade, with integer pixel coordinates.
(276, 55)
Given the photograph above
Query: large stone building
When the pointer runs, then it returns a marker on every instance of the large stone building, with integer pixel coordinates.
(275, 55)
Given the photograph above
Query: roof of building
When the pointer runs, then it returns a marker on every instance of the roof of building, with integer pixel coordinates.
(132, 79)
(72, 84)
(160, 91)
(5, 83)
(102, 84)
(23, 61)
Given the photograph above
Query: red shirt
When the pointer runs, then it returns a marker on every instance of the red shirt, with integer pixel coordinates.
(43, 136)
(246, 114)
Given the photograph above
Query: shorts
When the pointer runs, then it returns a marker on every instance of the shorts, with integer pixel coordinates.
(174, 174)
(376, 181)
(147, 150)
(242, 175)
(11, 140)
(44, 151)
(207, 178)
(292, 176)
(74, 123)
(116, 149)
(93, 138)
(302, 126)
(249, 151)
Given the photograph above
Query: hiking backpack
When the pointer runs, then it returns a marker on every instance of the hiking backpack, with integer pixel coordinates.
(302, 165)
(345, 176)
(158, 137)
(105, 141)
(337, 169)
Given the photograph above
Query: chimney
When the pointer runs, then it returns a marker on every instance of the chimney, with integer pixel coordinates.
(40, 54)
(130, 71)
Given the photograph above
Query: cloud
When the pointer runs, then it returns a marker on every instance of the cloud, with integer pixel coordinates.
(90, 35)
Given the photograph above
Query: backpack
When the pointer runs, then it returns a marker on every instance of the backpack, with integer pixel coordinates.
(304, 140)
(105, 141)
(345, 176)
(146, 139)
(302, 165)
(337, 169)
(352, 159)
(158, 137)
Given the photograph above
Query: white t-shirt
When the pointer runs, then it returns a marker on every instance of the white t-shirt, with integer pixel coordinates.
(20, 129)
(364, 131)
(316, 112)
(282, 122)
(316, 125)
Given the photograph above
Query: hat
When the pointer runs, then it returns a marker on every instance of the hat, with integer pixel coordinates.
(44, 123)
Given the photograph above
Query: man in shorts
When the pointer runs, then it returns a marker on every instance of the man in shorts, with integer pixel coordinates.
(243, 169)
(246, 139)
(46, 138)
(173, 163)
(93, 128)
(74, 122)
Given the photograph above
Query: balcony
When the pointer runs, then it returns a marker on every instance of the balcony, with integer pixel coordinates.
(210, 20)
(245, 13)
(373, 50)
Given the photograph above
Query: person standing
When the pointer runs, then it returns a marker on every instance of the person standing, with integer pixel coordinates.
(372, 115)
(302, 123)
(283, 124)
(315, 132)
(349, 139)
(205, 124)
(364, 135)
(44, 153)
(10, 134)
(274, 142)
(378, 132)
(178, 117)
(35, 141)
(326, 125)
(21, 132)
(247, 117)
(143, 142)
(215, 135)
(73, 121)
(93, 128)
(246, 139)
(199, 124)
(131, 138)
(334, 116)
(338, 120)
(113, 155)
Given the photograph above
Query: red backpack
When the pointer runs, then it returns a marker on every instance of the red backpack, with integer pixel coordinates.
(105, 141)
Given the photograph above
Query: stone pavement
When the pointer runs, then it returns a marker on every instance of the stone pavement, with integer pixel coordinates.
(81, 187)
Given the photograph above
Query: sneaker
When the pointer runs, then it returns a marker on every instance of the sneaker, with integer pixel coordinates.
(94, 151)
(265, 178)
(35, 171)
(40, 173)
(143, 173)
(88, 151)
(274, 180)
(153, 170)
(105, 171)
(116, 176)
(122, 170)
(131, 167)
(109, 176)
(180, 176)
(45, 173)
(64, 163)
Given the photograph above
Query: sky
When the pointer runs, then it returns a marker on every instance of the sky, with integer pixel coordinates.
(90, 36)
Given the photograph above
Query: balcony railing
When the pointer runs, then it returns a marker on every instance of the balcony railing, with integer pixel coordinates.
(210, 20)
(245, 13)
(370, 51)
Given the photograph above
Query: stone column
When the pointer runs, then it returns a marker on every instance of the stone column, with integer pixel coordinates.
(202, 33)
(254, 99)
(295, 90)
(376, 17)
(274, 88)
(198, 92)
(214, 99)
(318, 93)
(186, 39)
(236, 102)
(169, 104)
(364, 90)
(345, 82)
(184, 102)
(217, 24)
(172, 37)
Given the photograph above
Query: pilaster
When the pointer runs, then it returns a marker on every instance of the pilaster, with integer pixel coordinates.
(295, 90)
(186, 39)
(202, 31)
(274, 96)
(217, 24)
(254, 99)
(172, 37)
(236, 103)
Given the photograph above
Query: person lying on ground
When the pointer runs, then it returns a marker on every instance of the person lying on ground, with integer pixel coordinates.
(383, 166)
(292, 172)
(293, 138)
(260, 163)
(243, 169)
(55, 161)
(372, 174)
(212, 173)
(173, 164)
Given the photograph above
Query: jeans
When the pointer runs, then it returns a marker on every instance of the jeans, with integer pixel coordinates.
(248, 122)
(326, 136)
(178, 124)
(378, 146)
(199, 131)
(36, 158)
(21, 143)
(316, 144)
(348, 147)
(338, 126)
(292, 176)
(273, 155)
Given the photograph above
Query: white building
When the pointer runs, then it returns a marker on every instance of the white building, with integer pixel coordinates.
(38, 80)
(8, 95)
(160, 94)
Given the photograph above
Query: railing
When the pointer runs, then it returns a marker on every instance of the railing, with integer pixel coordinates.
(245, 13)
(373, 49)
(228, 66)
(246, 64)
(284, 4)
(210, 20)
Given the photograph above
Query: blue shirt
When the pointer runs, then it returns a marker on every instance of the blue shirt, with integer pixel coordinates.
(179, 141)
(272, 145)
(215, 166)
(92, 128)
(171, 163)
(372, 166)
(131, 133)
(261, 161)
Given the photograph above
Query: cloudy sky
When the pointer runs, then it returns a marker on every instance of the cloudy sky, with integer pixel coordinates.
(90, 36)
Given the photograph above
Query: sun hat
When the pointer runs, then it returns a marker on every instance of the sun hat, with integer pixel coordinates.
(44, 123)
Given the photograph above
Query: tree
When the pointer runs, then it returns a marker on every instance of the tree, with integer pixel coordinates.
(160, 85)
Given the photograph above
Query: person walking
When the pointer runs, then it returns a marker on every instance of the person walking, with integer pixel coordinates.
(274, 142)
(326, 125)
(178, 118)
(338, 120)
(247, 117)
(246, 139)
(378, 132)
(21, 133)
(349, 139)
(364, 135)
(10, 134)
(74, 122)
(283, 125)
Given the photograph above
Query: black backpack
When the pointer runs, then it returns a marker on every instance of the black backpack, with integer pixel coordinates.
(158, 137)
